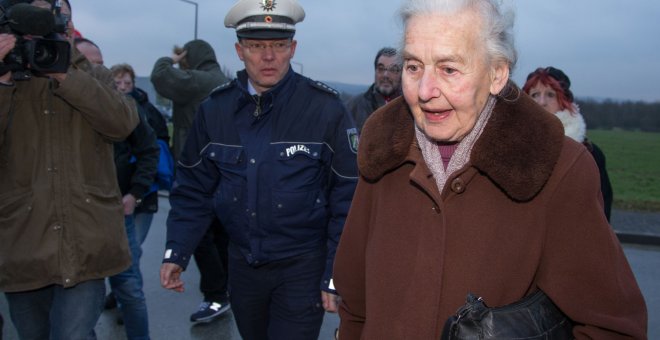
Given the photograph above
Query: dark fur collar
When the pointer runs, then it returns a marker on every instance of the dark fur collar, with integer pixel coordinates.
(517, 150)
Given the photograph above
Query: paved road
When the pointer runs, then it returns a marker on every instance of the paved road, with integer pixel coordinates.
(169, 311)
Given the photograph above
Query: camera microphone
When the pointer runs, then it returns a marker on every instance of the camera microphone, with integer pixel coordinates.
(32, 20)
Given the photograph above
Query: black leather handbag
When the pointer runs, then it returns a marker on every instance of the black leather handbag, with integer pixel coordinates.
(534, 317)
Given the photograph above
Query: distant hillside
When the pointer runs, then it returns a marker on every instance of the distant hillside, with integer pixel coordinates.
(350, 89)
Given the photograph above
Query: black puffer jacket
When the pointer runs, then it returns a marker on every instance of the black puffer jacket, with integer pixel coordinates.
(154, 116)
(136, 160)
(159, 126)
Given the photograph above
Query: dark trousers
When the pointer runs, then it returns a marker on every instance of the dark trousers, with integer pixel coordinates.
(278, 300)
(57, 313)
(211, 259)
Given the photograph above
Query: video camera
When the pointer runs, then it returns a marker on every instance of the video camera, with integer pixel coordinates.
(40, 46)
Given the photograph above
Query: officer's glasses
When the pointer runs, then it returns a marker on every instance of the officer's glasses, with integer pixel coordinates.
(394, 69)
(260, 47)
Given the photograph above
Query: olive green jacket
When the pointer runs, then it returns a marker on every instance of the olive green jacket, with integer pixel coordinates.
(187, 87)
(61, 217)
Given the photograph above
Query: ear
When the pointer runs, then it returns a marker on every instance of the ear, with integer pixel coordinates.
(499, 77)
(239, 50)
(294, 43)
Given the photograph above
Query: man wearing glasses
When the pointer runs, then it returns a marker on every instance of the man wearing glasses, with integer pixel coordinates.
(386, 86)
(272, 154)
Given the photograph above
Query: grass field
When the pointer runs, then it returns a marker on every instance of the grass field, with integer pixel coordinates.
(633, 164)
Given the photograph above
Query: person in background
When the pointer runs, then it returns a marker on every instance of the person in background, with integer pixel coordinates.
(468, 186)
(62, 223)
(272, 155)
(136, 161)
(386, 86)
(124, 77)
(550, 88)
(198, 73)
(88, 48)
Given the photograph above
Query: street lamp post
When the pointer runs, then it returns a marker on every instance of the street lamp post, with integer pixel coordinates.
(193, 3)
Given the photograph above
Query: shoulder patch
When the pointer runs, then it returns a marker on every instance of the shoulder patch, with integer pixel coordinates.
(353, 139)
(325, 88)
(223, 87)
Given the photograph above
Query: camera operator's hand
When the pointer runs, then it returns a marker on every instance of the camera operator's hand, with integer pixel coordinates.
(7, 43)
(177, 57)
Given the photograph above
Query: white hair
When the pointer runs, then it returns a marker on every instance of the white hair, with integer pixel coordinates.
(497, 28)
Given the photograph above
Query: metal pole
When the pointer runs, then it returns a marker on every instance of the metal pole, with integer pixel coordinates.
(196, 11)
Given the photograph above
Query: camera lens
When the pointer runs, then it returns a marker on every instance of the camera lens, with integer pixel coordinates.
(45, 54)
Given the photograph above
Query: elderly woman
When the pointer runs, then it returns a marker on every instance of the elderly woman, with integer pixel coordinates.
(551, 88)
(467, 185)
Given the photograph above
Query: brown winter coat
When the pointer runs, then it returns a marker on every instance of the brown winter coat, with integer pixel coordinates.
(61, 217)
(525, 212)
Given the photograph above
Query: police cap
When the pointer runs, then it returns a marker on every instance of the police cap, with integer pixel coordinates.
(265, 19)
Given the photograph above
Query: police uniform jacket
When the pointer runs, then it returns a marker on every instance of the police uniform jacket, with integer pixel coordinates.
(279, 171)
(61, 217)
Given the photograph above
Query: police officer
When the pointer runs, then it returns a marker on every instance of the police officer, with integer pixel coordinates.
(272, 154)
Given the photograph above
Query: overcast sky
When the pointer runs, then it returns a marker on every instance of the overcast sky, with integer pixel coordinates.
(609, 48)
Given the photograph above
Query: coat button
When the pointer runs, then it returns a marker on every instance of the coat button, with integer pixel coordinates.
(57, 227)
(458, 186)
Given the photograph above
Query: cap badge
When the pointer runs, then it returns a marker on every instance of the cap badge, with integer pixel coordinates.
(268, 19)
(268, 5)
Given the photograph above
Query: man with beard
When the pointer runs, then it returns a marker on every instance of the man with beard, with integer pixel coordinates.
(386, 86)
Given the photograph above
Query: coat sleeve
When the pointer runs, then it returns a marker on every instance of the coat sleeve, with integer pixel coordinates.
(88, 89)
(349, 273)
(583, 268)
(183, 86)
(191, 196)
(342, 184)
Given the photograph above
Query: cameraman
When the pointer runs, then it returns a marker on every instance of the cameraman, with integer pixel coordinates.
(62, 219)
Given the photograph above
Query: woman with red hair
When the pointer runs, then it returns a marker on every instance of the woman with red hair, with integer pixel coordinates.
(550, 88)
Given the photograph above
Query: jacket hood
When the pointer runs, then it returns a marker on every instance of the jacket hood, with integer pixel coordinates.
(199, 54)
(139, 95)
(517, 149)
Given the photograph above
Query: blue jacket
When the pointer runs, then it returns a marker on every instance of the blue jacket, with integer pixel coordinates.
(279, 175)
